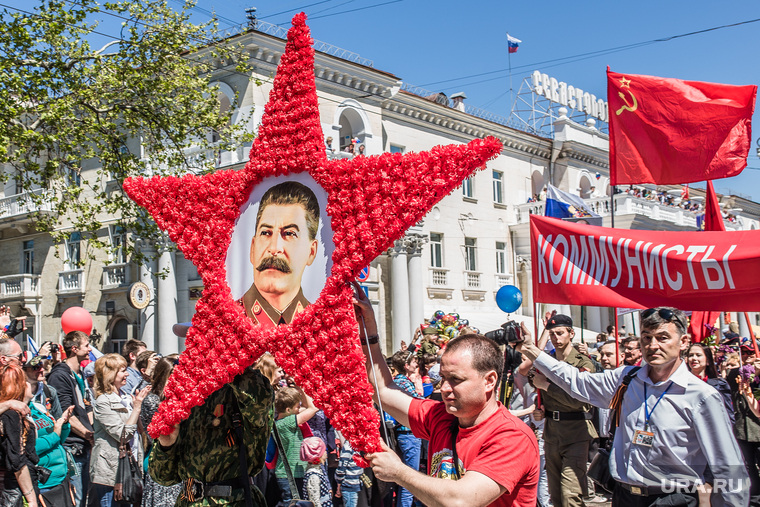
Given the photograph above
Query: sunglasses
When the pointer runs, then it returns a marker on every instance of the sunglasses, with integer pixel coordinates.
(17, 357)
(665, 314)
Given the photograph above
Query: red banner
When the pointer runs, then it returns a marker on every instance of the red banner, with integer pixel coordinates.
(597, 266)
(669, 131)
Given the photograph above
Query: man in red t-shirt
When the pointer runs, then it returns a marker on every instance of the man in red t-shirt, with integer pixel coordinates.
(496, 453)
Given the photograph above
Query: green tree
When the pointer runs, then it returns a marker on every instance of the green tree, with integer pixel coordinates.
(81, 110)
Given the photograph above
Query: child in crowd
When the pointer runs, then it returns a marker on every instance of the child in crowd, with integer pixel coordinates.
(314, 453)
(348, 475)
(293, 409)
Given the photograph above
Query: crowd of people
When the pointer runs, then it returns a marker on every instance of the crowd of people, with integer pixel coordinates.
(663, 197)
(678, 421)
(353, 147)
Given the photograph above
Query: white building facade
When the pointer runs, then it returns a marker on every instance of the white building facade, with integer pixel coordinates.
(473, 242)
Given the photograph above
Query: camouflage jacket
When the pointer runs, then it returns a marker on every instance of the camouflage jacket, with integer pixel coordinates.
(205, 448)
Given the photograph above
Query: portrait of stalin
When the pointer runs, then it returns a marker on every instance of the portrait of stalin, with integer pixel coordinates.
(283, 244)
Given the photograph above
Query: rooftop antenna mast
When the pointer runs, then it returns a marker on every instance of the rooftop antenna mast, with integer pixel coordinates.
(250, 14)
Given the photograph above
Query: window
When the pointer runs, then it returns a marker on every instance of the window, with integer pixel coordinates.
(467, 187)
(436, 250)
(501, 257)
(27, 257)
(74, 177)
(119, 336)
(470, 263)
(118, 243)
(73, 251)
(396, 149)
(498, 187)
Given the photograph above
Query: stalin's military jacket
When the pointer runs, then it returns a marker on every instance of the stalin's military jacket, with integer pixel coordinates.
(206, 449)
(261, 312)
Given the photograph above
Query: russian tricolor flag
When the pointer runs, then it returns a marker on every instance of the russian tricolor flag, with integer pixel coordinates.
(561, 204)
(513, 43)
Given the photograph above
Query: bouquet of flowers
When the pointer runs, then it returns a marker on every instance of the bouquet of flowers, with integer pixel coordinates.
(750, 376)
(712, 338)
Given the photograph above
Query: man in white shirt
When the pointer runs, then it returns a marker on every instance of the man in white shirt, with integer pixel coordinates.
(674, 432)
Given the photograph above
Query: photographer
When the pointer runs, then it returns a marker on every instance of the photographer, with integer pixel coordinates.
(473, 437)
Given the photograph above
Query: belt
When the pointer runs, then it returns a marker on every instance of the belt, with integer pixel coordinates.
(571, 416)
(194, 490)
(644, 490)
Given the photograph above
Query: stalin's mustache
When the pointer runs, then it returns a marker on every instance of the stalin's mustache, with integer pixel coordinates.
(272, 262)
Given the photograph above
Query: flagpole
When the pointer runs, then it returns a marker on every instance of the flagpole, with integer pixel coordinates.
(751, 334)
(617, 341)
(583, 324)
(509, 60)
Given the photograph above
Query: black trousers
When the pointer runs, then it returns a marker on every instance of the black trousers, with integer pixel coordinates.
(621, 497)
(751, 454)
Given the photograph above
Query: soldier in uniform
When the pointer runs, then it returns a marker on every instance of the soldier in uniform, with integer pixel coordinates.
(568, 429)
(283, 244)
(203, 451)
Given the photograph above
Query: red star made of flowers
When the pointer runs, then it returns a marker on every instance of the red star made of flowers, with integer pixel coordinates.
(371, 202)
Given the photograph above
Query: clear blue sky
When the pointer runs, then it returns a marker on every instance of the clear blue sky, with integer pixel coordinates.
(438, 44)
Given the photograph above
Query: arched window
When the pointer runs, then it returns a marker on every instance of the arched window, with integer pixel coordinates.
(351, 128)
(118, 336)
(584, 187)
(537, 182)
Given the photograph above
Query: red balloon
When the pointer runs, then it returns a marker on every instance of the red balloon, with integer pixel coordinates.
(76, 318)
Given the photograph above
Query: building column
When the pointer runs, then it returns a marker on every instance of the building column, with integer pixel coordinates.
(400, 318)
(183, 294)
(594, 319)
(416, 281)
(743, 329)
(147, 316)
(167, 300)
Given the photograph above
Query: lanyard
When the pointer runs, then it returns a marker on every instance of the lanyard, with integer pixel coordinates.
(647, 412)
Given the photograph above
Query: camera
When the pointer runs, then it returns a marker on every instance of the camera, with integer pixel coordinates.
(53, 347)
(508, 334)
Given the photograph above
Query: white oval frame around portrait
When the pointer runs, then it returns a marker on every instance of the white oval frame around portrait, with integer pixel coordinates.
(238, 253)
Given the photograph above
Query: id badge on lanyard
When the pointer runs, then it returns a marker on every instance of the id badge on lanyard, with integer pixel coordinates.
(645, 438)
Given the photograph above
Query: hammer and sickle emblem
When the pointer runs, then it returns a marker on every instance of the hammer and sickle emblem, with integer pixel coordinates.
(627, 106)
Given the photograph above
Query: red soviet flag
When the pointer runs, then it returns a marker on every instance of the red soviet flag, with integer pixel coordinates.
(713, 222)
(713, 215)
(669, 131)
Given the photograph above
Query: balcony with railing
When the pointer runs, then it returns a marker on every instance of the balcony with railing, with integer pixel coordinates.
(438, 284)
(197, 159)
(116, 276)
(502, 279)
(473, 286)
(19, 209)
(71, 282)
(20, 287)
(626, 204)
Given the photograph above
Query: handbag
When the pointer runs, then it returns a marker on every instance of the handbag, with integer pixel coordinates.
(129, 481)
(599, 469)
(296, 500)
(71, 465)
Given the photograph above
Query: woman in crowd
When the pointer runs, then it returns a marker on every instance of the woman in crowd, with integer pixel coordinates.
(114, 413)
(17, 442)
(154, 493)
(406, 366)
(51, 433)
(699, 358)
(270, 369)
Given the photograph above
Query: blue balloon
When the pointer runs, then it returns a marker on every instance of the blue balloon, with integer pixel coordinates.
(509, 298)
